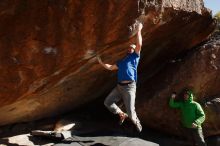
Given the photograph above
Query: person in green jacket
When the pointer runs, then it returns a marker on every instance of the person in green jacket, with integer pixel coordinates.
(192, 116)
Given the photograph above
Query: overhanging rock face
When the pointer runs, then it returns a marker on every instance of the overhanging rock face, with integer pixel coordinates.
(48, 48)
(198, 70)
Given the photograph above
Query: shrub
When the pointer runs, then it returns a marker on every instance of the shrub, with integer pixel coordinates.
(217, 16)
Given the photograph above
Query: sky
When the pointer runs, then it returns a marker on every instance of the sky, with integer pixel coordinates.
(214, 5)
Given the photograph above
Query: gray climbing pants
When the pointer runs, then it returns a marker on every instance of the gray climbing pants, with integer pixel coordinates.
(127, 93)
(195, 136)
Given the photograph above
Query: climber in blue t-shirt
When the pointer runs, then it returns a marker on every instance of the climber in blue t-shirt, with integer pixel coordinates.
(127, 78)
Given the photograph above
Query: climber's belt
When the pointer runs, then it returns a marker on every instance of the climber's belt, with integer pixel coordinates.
(124, 84)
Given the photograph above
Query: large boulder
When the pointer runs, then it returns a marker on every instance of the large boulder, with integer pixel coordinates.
(48, 48)
(197, 69)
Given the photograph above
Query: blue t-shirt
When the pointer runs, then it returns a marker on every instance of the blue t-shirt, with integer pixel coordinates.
(127, 67)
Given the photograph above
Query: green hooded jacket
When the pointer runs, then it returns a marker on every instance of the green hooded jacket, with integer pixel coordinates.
(191, 111)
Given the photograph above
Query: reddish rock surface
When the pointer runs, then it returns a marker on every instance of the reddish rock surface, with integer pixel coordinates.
(47, 48)
(199, 70)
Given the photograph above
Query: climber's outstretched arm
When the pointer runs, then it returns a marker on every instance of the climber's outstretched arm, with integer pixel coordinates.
(107, 66)
(139, 39)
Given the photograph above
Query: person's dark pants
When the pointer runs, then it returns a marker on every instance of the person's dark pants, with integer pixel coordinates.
(195, 136)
